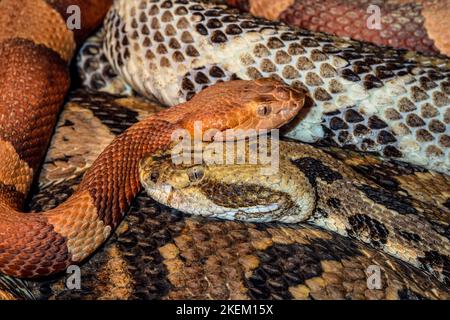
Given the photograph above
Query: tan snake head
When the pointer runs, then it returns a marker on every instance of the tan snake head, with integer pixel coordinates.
(263, 104)
(235, 189)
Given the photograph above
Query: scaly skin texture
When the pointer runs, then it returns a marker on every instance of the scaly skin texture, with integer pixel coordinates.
(418, 25)
(35, 245)
(306, 184)
(360, 96)
(35, 50)
(161, 253)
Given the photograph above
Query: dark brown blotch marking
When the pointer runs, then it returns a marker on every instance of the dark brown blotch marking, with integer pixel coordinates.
(334, 202)
(427, 84)
(201, 29)
(158, 37)
(310, 43)
(397, 202)
(413, 120)
(423, 135)
(187, 85)
(383, 73)
(436, 126)
(233, 29)
(191, 51)
(338, 124)
(216, 72)
(440, 264)
(361, 130)
(344, 137)
(349, 75)
(353, 116)
(368, 229)
(406, 105)
(186, 37)
(238, 195)
(371, 82)
(376, 123)
(315, 169)
(392, 152)
(317, 55)
(410, 236)
(201, 78)
(428, 111)
(167, 16)
(418, 94)
(385, 137)
(321, 94)
(275, 43)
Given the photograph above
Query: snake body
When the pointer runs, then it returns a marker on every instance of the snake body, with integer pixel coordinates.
(361, 96)
(420, 25)
(35, 49)
(161, 253)
(305, 184)
(41, 244)
(34, 244)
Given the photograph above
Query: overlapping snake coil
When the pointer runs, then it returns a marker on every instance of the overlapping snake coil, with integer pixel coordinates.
(161, 253)
(362, 96)
(419, 25)
(371, 98)
(35, 49)
(34, 81)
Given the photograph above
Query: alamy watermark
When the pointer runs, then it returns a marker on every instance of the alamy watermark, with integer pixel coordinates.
(73, 21)
(258, 147)
(73, 281)
(373, 273)
(374, 19)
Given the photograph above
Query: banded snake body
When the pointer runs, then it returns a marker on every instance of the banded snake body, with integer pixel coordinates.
(366, 97)
(161, 253)
(436, 81)
(35, 81)
(419, 25)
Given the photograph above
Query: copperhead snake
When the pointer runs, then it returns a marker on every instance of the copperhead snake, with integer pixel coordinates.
(161, 253)
(35, 81)
(170, 97)
(359, 96)
(419, 25)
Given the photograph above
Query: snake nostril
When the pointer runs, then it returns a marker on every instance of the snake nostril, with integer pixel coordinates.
(264, 110)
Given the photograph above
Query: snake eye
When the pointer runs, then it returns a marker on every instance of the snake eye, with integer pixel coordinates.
(154, 176)
(196, 174)
(264, 110)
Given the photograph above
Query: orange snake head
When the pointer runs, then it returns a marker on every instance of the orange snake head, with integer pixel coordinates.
(240, 105)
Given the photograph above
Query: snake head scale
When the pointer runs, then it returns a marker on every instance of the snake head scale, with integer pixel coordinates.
(229, 187)
(262, 104)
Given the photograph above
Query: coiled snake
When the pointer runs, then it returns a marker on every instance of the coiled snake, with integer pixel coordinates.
(305, 184)
(361, 96)
(110, 211)
(160, 253)
(41, 244)
(420, 25)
